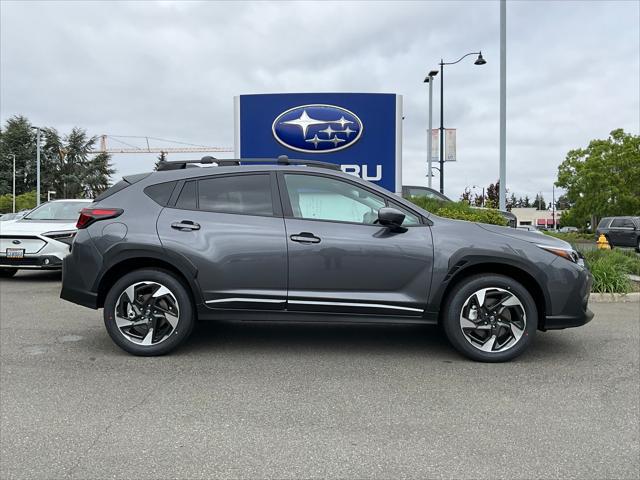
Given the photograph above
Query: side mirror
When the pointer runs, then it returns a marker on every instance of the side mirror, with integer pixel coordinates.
(390, 217)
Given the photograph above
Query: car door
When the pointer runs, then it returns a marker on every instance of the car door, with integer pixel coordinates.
(621, 232)
(231, 228)
(340, 261)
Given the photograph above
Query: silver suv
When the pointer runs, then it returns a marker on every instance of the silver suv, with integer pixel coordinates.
(290, 240)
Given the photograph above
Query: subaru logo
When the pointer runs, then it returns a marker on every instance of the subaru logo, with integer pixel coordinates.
(317, 128)
(16, 242)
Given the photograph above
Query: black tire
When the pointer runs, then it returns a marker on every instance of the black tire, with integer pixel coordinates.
(184, 324)
(454, 306)
(609, 242)
(638, 245)
(8, 272)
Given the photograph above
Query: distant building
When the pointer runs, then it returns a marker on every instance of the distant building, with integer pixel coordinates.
(537, 218)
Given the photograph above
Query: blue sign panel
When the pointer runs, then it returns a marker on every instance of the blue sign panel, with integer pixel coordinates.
(362, 132)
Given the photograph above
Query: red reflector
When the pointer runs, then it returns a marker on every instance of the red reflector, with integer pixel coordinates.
(90, 215)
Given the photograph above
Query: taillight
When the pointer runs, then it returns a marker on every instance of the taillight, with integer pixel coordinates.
(90, 215)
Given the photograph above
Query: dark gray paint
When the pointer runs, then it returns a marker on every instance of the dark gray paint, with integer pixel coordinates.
(245, 256)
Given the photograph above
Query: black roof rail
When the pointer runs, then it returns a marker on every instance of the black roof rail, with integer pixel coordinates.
(224, 162)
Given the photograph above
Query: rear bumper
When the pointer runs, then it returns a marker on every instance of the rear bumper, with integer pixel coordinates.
(32, 262)
(79, 296)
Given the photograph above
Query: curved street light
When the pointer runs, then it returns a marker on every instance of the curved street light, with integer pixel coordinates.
(479, 61)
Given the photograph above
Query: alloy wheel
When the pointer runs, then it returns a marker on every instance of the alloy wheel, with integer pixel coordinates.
(147, 313)
(493, 319)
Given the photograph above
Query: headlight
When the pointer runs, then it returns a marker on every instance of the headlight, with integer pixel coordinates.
(567, 253)
(65, 236)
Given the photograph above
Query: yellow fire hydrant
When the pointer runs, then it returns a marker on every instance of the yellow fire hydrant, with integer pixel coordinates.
(602, 243)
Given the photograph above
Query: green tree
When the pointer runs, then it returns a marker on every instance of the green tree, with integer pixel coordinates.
(69, 167)
(539, 202)
(563, 203)
(466, 196)
(602, 179)
(19, 139)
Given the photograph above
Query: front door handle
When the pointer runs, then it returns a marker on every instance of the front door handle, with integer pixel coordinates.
(185, 225)
(305, 237)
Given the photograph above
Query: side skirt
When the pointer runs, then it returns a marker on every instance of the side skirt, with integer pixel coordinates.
(248, 315)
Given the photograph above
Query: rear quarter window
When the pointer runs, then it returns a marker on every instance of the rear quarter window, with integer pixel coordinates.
(161, 192)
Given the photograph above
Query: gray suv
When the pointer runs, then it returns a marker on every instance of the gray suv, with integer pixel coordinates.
(296, 240)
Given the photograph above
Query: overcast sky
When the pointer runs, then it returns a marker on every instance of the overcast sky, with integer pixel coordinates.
(171, 69)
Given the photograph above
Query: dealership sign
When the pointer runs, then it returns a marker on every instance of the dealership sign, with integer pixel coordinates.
(361, 132)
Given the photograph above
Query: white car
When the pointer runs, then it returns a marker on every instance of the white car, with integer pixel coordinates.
(41, 239)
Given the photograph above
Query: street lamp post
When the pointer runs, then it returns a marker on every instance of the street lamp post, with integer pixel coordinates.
(479, 61)
(14, 182)
(37, 129)
(429, 79)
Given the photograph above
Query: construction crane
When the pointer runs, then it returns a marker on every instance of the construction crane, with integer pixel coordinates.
(127, 147)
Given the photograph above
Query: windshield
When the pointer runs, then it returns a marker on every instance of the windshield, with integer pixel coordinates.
(425, 192)
(57, 211)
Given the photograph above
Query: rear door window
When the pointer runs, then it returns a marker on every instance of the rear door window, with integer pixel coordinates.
(622, 223)
(244, 194)
(187, 199)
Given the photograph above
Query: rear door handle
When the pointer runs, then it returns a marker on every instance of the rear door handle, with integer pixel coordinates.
(305, 237)
(185, 225)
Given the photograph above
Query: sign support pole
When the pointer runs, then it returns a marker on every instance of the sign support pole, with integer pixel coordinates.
(503, 105)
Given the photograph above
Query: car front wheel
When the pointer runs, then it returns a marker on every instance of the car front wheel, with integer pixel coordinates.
(148, 312)
(490, 318)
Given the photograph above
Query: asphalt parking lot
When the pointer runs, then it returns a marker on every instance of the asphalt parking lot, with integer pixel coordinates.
(278, 401)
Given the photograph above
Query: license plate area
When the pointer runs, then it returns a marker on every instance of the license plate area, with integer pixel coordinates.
(15, 253)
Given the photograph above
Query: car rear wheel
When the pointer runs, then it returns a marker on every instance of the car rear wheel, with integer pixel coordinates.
(490, 318)
(638, 245)
(148, 312)
(8, 272)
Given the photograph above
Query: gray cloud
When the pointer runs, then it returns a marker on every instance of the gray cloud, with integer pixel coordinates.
(171, 69)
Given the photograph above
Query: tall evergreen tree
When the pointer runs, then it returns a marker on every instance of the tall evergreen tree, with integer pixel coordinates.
(19, 139)
(162, 157)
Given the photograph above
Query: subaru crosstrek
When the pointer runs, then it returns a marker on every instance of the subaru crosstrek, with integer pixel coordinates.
(296, 240)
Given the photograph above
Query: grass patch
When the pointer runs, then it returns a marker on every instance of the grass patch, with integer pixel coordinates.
(610, 269)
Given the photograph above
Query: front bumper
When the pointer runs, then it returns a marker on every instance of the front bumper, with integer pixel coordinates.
(568, 321)
(33, 262)
(575, 304)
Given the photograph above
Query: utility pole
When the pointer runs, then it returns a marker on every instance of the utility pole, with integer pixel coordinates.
(503, 105)
(553, 208)
(441, 126)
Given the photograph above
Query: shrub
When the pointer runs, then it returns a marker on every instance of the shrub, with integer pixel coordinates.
(25, 201)
(610, 269)
(459, 211)
(571, 237)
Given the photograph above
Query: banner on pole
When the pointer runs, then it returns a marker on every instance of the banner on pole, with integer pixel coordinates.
(435, 145)
(450, 145)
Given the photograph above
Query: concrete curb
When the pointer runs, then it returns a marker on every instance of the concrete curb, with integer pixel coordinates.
(614, 297)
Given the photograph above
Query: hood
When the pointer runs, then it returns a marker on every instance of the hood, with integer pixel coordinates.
(530, 237)
(35, 227)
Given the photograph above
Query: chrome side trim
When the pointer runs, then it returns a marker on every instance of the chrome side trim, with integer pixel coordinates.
(254, 300)
(363, 305)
